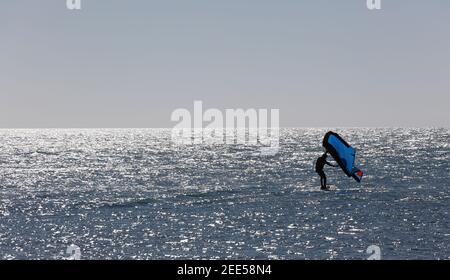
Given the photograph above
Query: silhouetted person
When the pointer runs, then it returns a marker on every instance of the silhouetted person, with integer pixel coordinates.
(320, 164)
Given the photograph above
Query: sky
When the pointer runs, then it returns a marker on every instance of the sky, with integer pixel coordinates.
(323, 63)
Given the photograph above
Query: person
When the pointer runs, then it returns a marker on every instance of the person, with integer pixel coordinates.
(320, 164)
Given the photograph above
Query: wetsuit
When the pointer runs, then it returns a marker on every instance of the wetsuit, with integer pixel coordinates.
(320, 163)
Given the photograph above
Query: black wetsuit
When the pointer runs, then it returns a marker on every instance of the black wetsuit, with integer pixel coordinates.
(320, 163)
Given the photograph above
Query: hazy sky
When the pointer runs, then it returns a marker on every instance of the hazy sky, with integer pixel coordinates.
(130, 63)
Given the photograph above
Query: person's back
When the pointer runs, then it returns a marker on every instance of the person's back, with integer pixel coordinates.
(320, 163)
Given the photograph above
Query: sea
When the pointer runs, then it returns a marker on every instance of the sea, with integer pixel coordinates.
(134, 194)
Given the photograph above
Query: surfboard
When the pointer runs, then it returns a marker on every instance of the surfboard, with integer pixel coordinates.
(330, 188)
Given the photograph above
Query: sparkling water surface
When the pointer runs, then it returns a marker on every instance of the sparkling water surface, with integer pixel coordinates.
(132, 194)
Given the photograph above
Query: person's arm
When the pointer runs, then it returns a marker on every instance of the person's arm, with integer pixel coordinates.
(333, 165)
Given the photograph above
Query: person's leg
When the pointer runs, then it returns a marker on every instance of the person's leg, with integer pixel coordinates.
(323, 180)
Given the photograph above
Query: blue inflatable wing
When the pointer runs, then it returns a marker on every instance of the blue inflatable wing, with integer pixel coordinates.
(343, 154)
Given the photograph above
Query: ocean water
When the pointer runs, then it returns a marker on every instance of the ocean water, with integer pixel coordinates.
(131, 194)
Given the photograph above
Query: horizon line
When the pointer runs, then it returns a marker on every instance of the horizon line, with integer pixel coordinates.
(281, 127)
